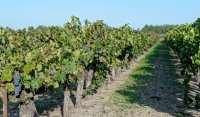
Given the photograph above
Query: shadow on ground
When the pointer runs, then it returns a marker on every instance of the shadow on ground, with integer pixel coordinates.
(50, 103)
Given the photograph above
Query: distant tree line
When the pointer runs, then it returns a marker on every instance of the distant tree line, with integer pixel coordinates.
(159, 29)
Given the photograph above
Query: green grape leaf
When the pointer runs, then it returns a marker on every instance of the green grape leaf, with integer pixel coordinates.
(10, 87)
(27, 85)
(39, 67)
(55, 85)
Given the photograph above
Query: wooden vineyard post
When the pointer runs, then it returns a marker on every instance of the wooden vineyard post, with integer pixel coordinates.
(4, 99)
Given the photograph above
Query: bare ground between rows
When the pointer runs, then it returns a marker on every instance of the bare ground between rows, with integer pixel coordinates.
(96, 105)
(162, 95)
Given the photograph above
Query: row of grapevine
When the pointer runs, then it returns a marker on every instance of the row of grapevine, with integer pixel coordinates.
(76, 57)
(185, 41)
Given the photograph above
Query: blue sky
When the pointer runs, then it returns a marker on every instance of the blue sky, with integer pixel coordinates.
(24, 13)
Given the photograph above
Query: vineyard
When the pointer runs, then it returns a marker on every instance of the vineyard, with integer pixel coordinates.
(79, 60)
